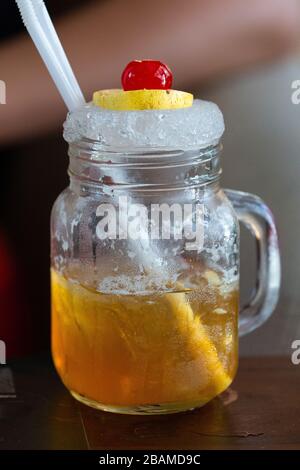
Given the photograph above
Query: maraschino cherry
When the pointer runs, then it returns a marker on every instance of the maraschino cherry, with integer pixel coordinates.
(146, 74)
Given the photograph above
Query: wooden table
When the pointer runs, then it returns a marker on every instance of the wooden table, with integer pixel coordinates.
(260, 411)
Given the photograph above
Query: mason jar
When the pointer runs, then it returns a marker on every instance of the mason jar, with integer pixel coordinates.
(145, 277)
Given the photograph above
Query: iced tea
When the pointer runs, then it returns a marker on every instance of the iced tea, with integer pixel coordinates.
(144, 351)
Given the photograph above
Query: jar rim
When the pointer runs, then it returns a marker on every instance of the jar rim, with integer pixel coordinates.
(151, 168)
(154, 157)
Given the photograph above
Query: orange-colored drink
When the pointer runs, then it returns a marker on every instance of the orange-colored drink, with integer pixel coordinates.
(170, 350)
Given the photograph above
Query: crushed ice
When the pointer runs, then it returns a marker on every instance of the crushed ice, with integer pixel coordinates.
(199, 126)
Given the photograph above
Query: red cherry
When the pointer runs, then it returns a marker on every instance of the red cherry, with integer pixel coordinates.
(146, 74)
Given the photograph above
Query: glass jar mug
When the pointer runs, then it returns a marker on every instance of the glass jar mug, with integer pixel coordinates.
(145, 278)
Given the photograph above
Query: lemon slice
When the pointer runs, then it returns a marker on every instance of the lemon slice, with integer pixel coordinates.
(198, 340)
(119, 100)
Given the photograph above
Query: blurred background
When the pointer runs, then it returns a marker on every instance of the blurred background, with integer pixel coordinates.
(242, 55)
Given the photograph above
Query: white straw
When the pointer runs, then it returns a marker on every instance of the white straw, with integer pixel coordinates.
(39, 25)
(47, 25)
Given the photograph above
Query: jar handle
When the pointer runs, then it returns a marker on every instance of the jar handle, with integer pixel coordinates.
(256, 216)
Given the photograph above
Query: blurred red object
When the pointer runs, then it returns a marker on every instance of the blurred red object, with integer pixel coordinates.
(13, 319)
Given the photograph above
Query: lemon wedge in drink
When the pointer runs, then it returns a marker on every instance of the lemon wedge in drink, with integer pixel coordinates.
(198, 341)
(135, 100)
